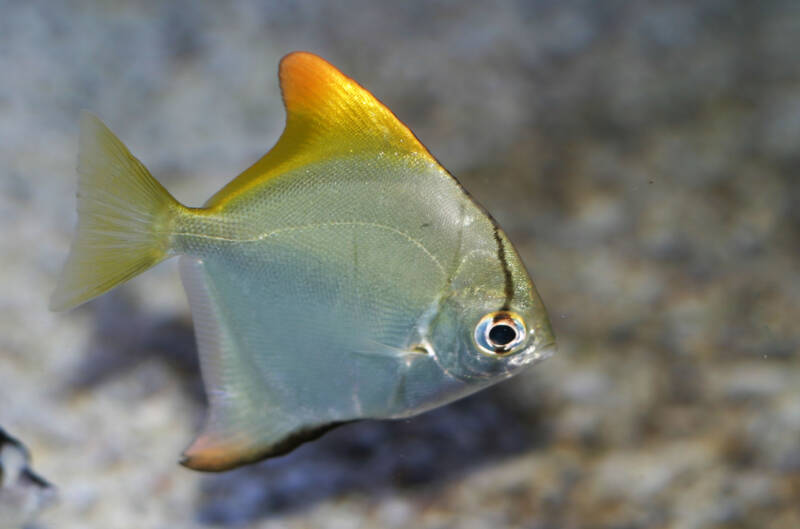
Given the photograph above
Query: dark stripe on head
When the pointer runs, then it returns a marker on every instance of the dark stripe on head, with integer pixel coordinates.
(509, 280)
(501, 249)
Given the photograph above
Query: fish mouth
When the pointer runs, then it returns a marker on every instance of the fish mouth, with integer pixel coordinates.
(533, 355)
(547, 350)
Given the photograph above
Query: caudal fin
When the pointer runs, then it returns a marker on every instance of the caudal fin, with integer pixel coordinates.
(124, 219)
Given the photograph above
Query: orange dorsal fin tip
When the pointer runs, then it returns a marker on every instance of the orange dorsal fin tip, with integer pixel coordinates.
(327, 115)
(309, 81)
(320, 96)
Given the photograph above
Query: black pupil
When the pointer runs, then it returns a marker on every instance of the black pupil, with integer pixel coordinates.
(502, 334)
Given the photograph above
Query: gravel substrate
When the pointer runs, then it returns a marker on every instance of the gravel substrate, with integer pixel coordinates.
(643, 156)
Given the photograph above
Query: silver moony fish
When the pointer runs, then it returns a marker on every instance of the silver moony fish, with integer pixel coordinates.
(345, 275)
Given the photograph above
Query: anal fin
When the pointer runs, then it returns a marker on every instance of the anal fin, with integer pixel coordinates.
(264, 399)
(238, 428)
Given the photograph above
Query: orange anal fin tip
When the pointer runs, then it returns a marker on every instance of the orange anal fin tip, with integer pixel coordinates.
(206, 455)
(209, 455)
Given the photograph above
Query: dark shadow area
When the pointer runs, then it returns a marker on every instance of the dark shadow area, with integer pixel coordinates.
(375, 458)
(125, 336)
(370, 457)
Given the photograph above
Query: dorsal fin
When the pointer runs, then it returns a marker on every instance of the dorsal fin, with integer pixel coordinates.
(327, 115)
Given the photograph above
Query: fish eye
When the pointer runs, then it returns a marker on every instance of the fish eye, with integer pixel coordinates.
(499, 333)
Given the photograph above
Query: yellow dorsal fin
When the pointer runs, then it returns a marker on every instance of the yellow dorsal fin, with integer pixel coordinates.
(327, 115)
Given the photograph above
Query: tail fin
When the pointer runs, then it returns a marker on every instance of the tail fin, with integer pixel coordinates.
(124, 219)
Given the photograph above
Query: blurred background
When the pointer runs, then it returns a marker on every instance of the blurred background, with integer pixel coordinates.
(643, 156)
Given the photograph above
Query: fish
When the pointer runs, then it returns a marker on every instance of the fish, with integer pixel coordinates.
(345, 275)
(23, 493)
